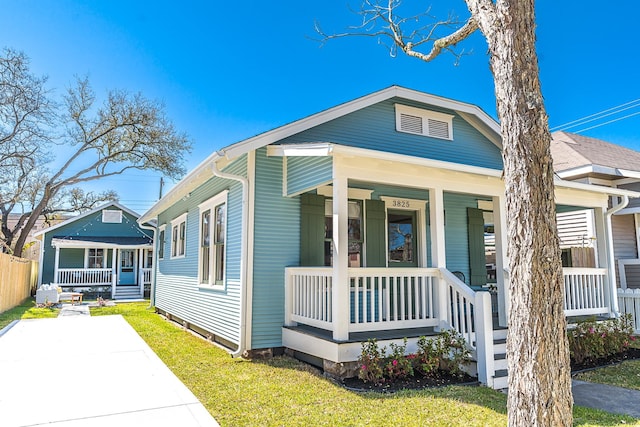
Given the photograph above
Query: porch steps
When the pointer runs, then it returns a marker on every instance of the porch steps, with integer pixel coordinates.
(500, 376)
(128, 292)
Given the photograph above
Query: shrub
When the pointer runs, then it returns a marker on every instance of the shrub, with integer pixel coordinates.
(591, 340)
(447, 352)
(370, 361)
(398, 365)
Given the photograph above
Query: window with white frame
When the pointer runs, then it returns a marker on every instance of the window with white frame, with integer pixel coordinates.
(178, 236)
(424, 122)
(161, 241)
(212, 244)
(95, 258)
(112, 216)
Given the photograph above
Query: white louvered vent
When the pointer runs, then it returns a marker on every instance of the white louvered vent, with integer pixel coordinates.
(409, 123)
(424, 122)
(111, 216)
(438, 129)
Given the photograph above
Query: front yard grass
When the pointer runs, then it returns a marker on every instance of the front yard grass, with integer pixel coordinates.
(284, 391)
(27, 310)
(626, 374)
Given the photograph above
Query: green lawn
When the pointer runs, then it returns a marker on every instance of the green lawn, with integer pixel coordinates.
(27, 310)
(626, 375)
(283, 391)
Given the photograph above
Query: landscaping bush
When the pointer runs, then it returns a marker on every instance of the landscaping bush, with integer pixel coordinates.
(591, 340)
(445, 352)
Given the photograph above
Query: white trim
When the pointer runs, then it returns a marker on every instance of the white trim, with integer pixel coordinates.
(318, 149)
(201, 173)
(210, 204)
(285, 175)
(621, 268)
(86, 244)
(353, 193)
(250, 221)
(424, 115)
(91, 212)
(175, 222)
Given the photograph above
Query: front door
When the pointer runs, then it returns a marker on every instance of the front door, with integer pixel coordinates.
(127, 267)
(402, 234)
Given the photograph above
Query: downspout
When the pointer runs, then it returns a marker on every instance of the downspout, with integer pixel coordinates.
(612, 269)
(152, 291)
(243, 252)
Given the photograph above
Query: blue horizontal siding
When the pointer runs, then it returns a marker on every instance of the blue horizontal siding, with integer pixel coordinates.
(374, 128)
(177, 290)
(277, 237)
(305, 173)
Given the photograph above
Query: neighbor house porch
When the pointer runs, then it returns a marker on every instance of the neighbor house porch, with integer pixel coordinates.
(119, 267)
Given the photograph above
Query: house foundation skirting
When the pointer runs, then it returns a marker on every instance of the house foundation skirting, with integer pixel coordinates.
(203, 333)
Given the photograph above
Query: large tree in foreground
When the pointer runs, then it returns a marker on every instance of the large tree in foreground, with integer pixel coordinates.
(93, 142)
(537, 351)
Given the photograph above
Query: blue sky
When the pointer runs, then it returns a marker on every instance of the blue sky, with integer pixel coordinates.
(229, 70)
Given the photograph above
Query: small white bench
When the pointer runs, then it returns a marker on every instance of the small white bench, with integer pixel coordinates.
(52, 295)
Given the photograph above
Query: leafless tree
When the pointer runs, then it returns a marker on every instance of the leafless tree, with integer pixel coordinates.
(126, 132)
(537, 350)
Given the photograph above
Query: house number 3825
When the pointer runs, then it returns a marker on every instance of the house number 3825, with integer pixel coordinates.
(401, 204)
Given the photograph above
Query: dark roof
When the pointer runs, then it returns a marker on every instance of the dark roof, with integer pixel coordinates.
(124, 241)
(570, 151)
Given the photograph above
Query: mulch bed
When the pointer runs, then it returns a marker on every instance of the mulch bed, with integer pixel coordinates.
(441, 378)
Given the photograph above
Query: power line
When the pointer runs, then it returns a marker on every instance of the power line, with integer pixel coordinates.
(601, 115)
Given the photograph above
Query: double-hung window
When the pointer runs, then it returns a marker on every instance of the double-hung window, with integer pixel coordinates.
(95, 258)
(161, 241)
(213, 232)
(178, 236)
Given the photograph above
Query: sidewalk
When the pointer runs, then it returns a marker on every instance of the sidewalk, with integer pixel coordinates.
(78, 370)
(616, 400)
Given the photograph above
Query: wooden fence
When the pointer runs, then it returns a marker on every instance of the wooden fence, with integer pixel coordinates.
(18, 279)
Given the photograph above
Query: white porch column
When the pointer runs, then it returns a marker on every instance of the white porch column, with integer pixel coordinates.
(437, 221)
(56, 265)
(502, 262)
(341, 287)
(114, 275)
(438, 247)
(139, 273)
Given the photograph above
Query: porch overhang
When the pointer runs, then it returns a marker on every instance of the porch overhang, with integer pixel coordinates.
(102, 242)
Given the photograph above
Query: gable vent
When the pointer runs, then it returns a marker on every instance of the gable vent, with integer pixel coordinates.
(439, 129)
(111, 216)
(409, 123)
(423, 122)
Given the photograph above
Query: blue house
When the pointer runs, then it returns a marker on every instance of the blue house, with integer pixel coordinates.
(104, 250)
(366, 220)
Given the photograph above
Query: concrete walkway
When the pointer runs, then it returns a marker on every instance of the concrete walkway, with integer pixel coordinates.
(612, 399)
(74, 310)
(79, 370)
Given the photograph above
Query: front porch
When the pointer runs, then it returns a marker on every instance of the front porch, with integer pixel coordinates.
(121, 271)
(389, 304)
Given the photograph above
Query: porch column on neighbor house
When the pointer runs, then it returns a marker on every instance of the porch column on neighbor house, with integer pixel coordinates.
(438, 247)
(502, 262)
(56, 265)
(341, 293)
(114, 272)
(604, 255)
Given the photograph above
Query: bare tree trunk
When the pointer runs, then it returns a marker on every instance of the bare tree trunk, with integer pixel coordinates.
(537, 350)
(33, 217)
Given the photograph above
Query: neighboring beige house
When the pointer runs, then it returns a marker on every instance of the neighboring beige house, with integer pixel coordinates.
(32, 246)
(593, 161)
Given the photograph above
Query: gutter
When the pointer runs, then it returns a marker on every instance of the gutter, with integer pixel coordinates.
(152, 291)
(613, 297)
(243, 253)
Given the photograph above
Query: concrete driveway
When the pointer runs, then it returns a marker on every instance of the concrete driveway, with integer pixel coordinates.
(89, 371)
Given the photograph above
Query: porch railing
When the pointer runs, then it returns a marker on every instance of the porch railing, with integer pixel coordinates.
(85, 276)
(392, 298)
(308, 296)
(585, 291)
(145, 276)
(629, 303)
